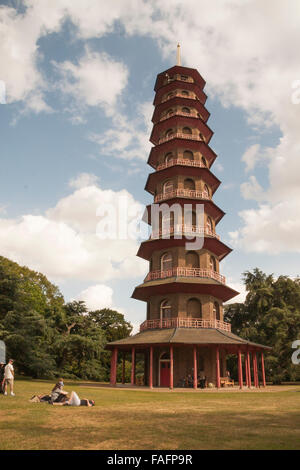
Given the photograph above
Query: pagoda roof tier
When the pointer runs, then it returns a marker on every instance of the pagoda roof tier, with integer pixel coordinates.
(178, 69)
(183, 285)
(209, 243)
(183, 121)
(180, 101)
(182, 142)
(190, 336)
(210, 208)
(184, 168)
(180, 85)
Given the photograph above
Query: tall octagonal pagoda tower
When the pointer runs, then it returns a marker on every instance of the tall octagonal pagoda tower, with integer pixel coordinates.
(184, 337)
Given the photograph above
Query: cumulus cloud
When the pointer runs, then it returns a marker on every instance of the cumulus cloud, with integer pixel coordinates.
(245, 50)
(127, 139)
(269, 229)
(63, 243)
(96, 80)
(83, 180)
(96, 297)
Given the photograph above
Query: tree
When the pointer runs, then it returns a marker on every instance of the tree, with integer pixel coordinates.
(115, 327)
(270, 315)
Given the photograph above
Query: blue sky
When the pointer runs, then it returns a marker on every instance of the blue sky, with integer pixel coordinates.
(75, 126)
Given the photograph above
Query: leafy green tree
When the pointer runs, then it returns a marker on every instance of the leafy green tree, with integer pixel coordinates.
(270, 315)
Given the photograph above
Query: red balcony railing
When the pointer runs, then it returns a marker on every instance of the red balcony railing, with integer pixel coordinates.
(178, 113)
(178, 94)
(185, 272)
(181, 161)
(184, 323)
(180, 135)
(190, 193)
(188, 230)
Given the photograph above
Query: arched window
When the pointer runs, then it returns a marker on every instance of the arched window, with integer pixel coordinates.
(209, 224)
(187, 130)
(169, 95)
(192, 259)
(213, 263)
(169, 132)
(186, 110)
(188, 155)
(170, 112)
(194, 308)
(168, 157)
(165, 309)
(206, 190)
(168, 187)
(216, 311)
(167, 222)
(189, 184)
(166, 262)
(184, 77)
(184, 93)
(190, 218)
(203, 161)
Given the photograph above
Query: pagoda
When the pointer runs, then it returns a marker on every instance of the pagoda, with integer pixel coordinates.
(184, 340)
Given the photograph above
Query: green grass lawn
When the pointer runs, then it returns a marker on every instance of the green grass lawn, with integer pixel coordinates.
(127, 419)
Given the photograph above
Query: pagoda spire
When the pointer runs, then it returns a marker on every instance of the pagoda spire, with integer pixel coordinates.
(178, 58)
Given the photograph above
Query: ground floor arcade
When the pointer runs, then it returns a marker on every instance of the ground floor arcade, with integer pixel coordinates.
(171, 364)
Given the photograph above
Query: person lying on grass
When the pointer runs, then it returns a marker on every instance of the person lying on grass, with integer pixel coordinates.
(74, 400)
(56, 395)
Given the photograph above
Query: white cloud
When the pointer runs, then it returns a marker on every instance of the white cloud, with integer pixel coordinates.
(96, 80)
(63, 244)
(252, 189)
(270, 229)
(251, 156)
(83, 180)
(96, 297)
(245, 50)
(127, 139)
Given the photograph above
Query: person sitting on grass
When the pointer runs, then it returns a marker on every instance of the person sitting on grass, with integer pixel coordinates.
(57, 393)
(74, 400)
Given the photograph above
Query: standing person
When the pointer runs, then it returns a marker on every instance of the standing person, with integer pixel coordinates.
(2, 367)
(9, 375)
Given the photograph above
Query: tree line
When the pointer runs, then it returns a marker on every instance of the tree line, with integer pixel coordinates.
(270, 315)
(48, 337)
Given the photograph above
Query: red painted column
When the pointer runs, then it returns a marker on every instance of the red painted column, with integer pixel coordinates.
(255, 369)
(113, 367)
(195, 368)
(151, 368)
(133, 366)
(246, 370)
(171, 368)
(218, 380)
(123, 368)
(249, 369)
(240, 369)
(263, 369)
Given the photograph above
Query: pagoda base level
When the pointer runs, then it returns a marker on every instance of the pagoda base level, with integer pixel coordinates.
(190, 366)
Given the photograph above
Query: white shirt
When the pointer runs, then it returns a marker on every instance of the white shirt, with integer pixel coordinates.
(8, 371)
